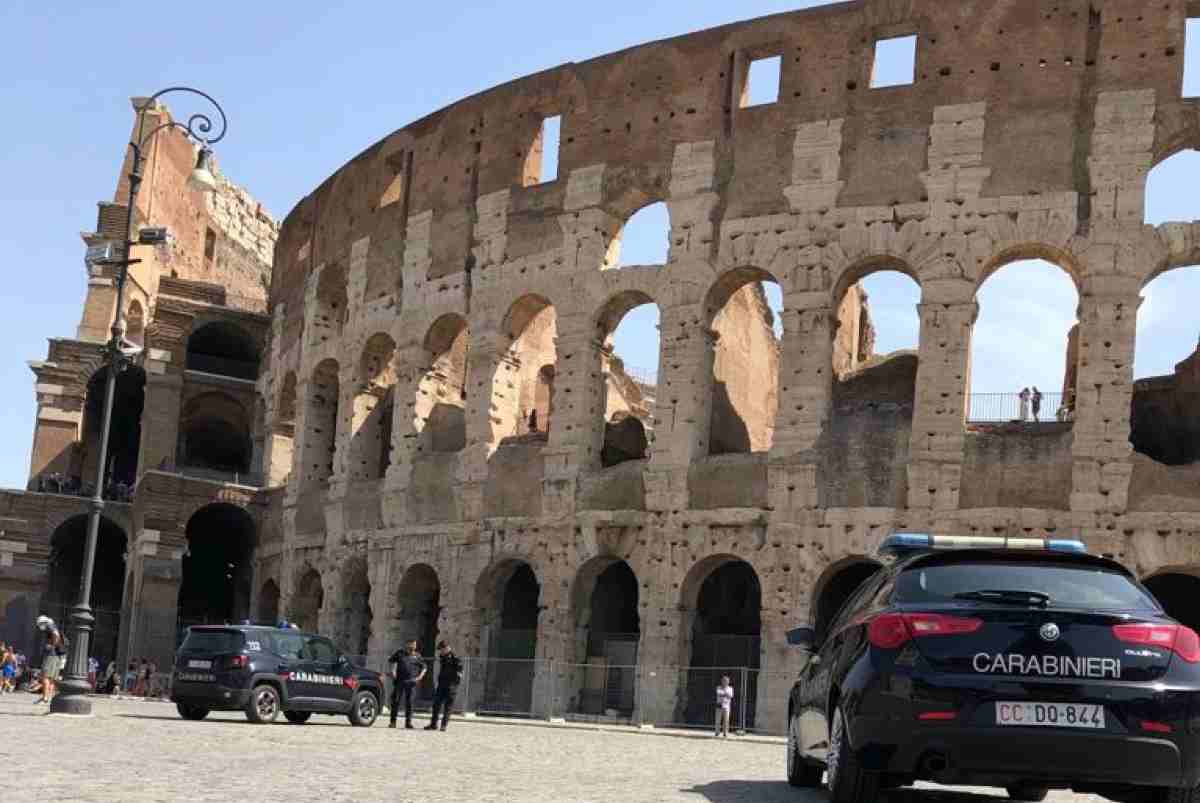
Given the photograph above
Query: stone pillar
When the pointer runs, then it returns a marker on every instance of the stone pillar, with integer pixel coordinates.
(555, 647)
(379, 565)
(805, 396)
(490, 385)
(683, 407)
(935, 452)
(149, 627)
(1102, 452)
(577, 431)
(329, 619)
(160, 416)
(407, 422)
(780, 665)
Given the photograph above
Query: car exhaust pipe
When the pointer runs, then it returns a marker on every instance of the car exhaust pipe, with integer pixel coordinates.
(935, 765)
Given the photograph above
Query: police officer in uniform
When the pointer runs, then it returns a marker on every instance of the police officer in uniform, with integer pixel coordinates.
(450, 674)
(410, 669)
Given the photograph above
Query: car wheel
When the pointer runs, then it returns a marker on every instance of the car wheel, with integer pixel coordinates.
(192, 712)
(800, 773)
(848, 781)
(297, 717)
(263, 706)
(1028, 792)
(364, 709)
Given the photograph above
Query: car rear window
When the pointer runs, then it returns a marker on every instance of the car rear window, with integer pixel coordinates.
(213, 641)
(1068, 586)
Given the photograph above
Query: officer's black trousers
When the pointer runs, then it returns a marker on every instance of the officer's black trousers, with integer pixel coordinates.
(403, 691)
(443, 698)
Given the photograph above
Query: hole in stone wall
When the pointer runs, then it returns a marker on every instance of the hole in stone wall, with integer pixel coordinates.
(895, 62)
(1191, 60)
(762, 82)
(876, 320)
(645, 239)
(631, 378)
(541, 166)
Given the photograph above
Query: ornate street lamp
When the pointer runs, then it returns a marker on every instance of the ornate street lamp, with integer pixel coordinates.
(72, 696)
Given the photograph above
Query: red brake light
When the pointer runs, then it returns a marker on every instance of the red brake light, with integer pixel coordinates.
(891, 630)
(937, 716)
(351, 683)
(238, 662)
(1180, 640)
(1156, 727)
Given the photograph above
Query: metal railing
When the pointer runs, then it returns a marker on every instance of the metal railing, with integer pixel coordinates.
(996, 408)
(247, 478)
(222, 366)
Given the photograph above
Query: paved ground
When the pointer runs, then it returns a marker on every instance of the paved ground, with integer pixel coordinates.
(138, 752)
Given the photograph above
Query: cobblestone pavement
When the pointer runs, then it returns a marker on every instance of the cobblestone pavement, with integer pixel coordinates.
(138, 752)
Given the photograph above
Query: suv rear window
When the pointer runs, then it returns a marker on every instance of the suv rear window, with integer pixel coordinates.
(213, 641)
(1066, 586)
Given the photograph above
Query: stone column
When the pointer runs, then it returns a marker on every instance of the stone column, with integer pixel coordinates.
(935, 452)
(149, 626)
(555, 647)
(411, 367)
(379, 564)
(779, 666)
(490, 389)
(683, 407)
(1102, 452)
(577, 427)
(805, 397)
(329, 618)
(160, 415)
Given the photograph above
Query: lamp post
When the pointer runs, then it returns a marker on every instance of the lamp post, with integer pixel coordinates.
(72, 696)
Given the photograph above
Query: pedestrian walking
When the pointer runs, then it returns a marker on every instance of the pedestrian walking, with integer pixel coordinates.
(1036, 402)
(8, 670)
(54, 652)
(409, 671)
(450, 672)
(1024, 397)
(93, 670)
(724, 707)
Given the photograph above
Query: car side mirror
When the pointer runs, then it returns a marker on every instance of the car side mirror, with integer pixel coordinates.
(803, 637)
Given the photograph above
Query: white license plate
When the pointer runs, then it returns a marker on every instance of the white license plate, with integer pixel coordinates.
(1050, 715)
(196, 677)
(199, 664)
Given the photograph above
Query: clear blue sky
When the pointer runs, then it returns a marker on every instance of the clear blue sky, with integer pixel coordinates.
(306, 87)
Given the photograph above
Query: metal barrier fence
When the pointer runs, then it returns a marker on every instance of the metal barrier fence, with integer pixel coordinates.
(996, 408)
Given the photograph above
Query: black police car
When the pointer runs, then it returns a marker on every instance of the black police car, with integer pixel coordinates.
(267, 670)
(1027, 664)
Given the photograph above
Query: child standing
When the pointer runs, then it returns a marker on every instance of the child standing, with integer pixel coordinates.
(724, 706)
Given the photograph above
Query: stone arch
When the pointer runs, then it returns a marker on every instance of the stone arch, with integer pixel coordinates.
(531, 329)
(321, 424)
(418, 608)
(268, 602)
(854, 272)
(440, 408)
(745, 362)
(1057, 255)
(354, 627)
(606, 630)
(508, 597)
(374, 410)
(332, 307)
(67, 543)
(215, 434)
(283, 432)
(307, 599)
(223, 348)
(835, 586)
(217, 566)
(1177, 589)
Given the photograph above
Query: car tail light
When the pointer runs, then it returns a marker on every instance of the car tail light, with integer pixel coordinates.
(891, 630)
(238, 662)
(1156, 727)
(1180, 640)
(937, 716)
(351, 683)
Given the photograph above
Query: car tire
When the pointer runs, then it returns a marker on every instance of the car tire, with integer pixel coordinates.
(800, 773)
(848, 781)
(364, 709)
(1030, 792)
(191, 712)
(297, 717)
(263, 705)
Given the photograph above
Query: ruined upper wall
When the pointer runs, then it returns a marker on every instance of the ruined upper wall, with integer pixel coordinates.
(1038, 66)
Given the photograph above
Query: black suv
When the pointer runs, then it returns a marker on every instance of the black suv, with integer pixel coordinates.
(1031, 668)
(265, 670)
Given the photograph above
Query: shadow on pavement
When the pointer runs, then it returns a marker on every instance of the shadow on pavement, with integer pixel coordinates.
(781, 792)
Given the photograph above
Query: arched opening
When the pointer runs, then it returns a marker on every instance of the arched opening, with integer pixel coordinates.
(67, 544)
(607, 633)
(529, 370)
(509, 598)
(418, 607)
(1024, 345)
(745, 363)
(628, 329)
(268, 603)
(1177, 593)
(125, 432)
(374, 409)
(645, 239)
(877, 322)
(1165, 418)
(442, 396)
(1170, 190)
(324, 394)
(223, 349)
(332, 308)
(355, 627)
(835, 587)
(722, 602)
(283, 436)
(135, 323)
(217, 568)
(307, 601)
(215, 435)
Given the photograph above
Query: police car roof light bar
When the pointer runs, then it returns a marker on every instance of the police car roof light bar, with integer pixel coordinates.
(898, 544)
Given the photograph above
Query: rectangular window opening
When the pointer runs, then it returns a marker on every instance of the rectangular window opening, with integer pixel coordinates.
(895, 62)
(541, 166)
(210, 244)
(762, 82)
(1191, 60)
(395, 186)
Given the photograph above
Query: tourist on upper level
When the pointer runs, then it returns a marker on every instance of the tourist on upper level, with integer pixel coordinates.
(1024, 397)
(1036, 402)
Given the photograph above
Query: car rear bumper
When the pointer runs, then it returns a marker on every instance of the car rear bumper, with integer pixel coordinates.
(209, 695)
(1057, 757)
